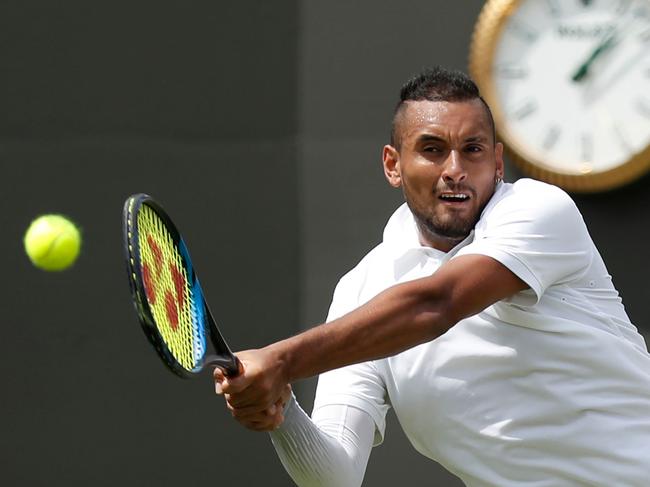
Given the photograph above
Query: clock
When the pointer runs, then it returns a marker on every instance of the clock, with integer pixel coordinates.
(568, 82)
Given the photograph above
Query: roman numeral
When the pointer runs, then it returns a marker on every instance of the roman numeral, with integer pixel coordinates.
(643, 107)
(587, 147)
(620, 135)
(640, 12)
(522, 31)
(553, 7)
(511, 71)
(524, 109)
(551, 137)
(623, 5)
(645, 35)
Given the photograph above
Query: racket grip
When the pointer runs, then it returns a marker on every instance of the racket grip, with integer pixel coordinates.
(230, 365)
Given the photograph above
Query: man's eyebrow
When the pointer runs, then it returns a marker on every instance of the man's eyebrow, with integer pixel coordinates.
(430, 138)
(435, 138)
(476, 138)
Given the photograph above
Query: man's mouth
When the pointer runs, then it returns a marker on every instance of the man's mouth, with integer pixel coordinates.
(454, 197)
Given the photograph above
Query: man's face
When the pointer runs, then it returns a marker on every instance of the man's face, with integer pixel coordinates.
(446, 164)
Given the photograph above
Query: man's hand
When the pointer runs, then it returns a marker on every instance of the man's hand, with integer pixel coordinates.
(395, 320)
(257, 396)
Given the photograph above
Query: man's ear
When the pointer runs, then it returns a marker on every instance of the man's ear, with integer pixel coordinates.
(392, 171)
(498, 155)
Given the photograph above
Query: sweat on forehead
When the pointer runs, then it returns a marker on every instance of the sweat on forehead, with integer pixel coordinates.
(437, 84)
(423, 112)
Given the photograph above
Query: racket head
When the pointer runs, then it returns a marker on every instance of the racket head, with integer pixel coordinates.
(166, 292)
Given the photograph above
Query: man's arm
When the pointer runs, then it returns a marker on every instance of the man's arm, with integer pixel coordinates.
(397, 319)
(329, 450)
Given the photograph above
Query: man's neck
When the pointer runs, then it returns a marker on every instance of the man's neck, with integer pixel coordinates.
(438, 242)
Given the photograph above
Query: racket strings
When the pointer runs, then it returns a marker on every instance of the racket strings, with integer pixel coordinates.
(168, 291)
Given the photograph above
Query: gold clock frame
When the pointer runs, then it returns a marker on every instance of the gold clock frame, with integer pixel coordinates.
(487, 32)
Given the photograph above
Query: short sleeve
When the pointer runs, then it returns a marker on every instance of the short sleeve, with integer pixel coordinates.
(346, 294)
(537, 232)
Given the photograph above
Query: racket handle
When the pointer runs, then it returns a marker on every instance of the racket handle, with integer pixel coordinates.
(231, 365)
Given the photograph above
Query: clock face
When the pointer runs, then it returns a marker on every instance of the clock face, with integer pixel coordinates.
(569, 85)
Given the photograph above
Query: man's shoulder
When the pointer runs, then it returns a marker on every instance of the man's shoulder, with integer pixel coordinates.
(352, 287)
(400, 234)
(375, 257)
(531, 189)
(528, 196)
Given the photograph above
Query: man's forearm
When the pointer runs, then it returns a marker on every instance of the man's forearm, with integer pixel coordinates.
(397, 319)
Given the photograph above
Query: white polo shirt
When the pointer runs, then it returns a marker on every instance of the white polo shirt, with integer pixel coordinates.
(548, 388)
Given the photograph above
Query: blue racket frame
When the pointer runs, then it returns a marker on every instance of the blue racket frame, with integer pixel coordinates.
(222, 356)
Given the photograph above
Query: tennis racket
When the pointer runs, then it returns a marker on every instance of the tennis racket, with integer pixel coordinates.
(166, 292)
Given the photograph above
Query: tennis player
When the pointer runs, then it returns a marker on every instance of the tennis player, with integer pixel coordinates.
(486, 319)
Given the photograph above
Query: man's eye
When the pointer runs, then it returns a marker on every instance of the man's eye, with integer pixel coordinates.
(431, 149)
(474, 148)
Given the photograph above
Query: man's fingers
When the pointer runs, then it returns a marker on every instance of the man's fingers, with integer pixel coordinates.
(257, 409)
(257, 395)
(230, 385)
(286, 394)
(241, 395)
(219, 377)
(257, 399)
(268, 418)
(233, 385)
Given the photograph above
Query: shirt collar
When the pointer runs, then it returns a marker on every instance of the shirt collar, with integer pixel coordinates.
(402, 239)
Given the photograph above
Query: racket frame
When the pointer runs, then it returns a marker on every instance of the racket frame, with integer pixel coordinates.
(223, 356)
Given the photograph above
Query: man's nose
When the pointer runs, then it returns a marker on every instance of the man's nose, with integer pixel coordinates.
(454, 170)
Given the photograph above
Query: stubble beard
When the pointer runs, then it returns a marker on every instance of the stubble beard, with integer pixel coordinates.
(449, 227)
(446, 227)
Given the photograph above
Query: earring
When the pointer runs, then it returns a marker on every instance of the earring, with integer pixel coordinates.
(497, 180)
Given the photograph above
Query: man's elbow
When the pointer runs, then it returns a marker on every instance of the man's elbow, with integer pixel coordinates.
(437, 315)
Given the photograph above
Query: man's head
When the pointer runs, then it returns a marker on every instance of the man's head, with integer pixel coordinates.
(436, 84)
(443, 154)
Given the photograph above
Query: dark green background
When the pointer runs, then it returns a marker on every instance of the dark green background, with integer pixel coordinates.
(259, 126)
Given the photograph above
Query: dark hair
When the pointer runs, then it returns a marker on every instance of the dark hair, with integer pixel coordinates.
(438, 84)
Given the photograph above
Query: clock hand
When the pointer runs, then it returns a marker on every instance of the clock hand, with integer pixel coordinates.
(583, 69)
(602, 47)
(613, 77)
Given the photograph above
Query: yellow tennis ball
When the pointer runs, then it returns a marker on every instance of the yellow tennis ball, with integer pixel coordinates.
(52, 242)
